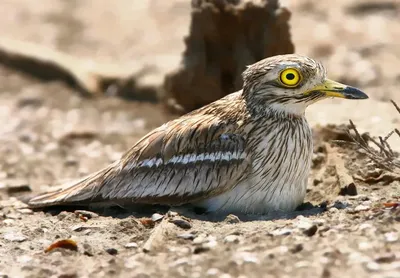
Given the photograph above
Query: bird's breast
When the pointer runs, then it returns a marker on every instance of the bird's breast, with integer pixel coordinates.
(281, 155)
(281, 165)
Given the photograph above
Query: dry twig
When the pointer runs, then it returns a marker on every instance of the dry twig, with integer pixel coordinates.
(385, 158)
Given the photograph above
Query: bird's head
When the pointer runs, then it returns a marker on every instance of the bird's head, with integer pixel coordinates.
(289, 83)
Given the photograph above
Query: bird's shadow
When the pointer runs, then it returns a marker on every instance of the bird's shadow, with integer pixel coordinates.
(306, 209)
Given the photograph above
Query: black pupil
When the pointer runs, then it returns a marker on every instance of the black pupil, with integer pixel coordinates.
(290, 76)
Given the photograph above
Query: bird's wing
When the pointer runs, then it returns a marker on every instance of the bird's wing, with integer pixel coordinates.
(185, 160)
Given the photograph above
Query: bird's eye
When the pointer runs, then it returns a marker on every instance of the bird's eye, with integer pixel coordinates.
(290, 77)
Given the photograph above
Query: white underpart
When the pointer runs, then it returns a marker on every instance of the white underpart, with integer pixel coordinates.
(263, 194)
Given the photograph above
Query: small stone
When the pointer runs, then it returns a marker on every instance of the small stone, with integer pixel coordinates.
(112, 251)
(210, 244)
(17, 186)
(62, 215)
(79, 228)
(200, 249)
(304, 225)
(87, 250)
(232, 219)
(24, 259)
(131, 245)
(349, 190)
(189, 236)
(361, 208)
(232, 239)
(364, 246)
(86, 213)
(157, 217)
(340, 205)
(392, 237)
(387, 258)
(333, 210)
(172, 214)
(181, 223)
(8, 222)
(200, 239)
(15, 237)
(311, 231)
(319, 222)
(25, 211)
(245, 257)
(212, 272)
(365, 226)
(281, 232)
(296, 248)
(372, 266)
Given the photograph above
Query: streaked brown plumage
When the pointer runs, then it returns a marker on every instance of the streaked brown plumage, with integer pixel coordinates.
(248, 152)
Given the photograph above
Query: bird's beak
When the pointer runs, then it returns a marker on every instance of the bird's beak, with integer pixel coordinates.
(335, 89)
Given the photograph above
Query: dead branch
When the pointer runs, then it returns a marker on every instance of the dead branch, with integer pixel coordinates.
(87, 76)
(385, 158)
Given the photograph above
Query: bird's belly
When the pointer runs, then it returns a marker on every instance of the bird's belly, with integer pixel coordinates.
(244, 198)
(277, 182)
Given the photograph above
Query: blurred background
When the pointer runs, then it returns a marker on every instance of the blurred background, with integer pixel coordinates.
(52, 131)
(81, 81)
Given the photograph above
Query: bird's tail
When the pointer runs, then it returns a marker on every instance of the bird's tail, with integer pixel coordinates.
(81, 192)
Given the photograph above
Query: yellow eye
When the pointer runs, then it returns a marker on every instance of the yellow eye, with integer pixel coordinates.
(290, 77)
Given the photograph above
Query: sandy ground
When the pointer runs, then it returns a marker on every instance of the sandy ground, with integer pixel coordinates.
(49, 134)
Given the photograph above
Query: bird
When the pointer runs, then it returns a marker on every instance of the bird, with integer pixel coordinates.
(249, 152)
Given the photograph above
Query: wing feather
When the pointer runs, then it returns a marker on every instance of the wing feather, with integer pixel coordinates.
(185, 160)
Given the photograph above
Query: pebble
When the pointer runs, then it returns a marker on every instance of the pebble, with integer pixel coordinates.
(8, 222)
(281, 232)
(24, 259)
(15, 237)
(200, 249)
(187, 236)
(87, 250)
(297, 248)
(392, 237)
(80, 228)
(311, 230)
(333, 210)
(365, 226)
(232, 219)
(304, 225)
(181, 223)
(232, 239)
(386, 258)
(212, 272)
(157, 217)
(131, 245)
(200, 239)
(364, 246)
(17, 186)
(246, 257)
(172, 214)
(62, 215)
(86, 213)
(25, 211)
(361, 208)
(319, 222)
(372, 266)
(112, 251)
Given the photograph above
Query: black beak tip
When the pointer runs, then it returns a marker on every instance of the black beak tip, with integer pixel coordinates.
(354, 93)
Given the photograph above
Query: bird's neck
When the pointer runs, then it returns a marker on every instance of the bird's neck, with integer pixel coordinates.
(288, 109)
(284, 111)
(267, 103)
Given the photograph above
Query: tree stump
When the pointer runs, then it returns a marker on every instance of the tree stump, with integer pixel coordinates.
(225, 36)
